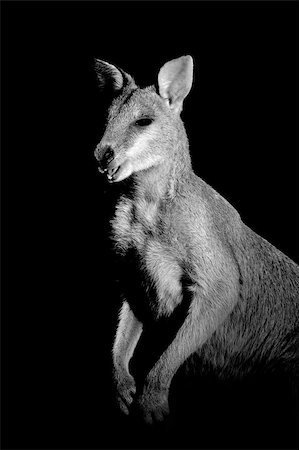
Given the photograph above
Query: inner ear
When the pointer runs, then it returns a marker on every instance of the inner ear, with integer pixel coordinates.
(110, 76)
(175, 81)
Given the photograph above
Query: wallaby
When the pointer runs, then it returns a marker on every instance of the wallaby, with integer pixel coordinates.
(187, 248)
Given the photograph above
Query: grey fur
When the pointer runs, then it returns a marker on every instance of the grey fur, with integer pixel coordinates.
(186, 244)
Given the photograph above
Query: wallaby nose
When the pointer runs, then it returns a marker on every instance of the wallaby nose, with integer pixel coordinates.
(104, 155)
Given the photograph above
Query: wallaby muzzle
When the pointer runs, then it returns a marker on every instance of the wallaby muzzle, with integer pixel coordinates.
(104, 155)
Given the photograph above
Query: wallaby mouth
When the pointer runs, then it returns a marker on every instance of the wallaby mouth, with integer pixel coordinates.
(111, 173)
(114, 166)
(118, 170)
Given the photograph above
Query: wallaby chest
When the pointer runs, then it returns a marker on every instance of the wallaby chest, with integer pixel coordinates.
(149, 270)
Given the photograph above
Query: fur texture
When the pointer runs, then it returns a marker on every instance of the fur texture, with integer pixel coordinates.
(184, 246)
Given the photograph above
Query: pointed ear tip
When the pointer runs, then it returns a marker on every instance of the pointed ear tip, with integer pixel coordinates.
(189, 59)
(99, 61)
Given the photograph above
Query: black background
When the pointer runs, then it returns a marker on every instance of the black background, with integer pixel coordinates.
(59, 304)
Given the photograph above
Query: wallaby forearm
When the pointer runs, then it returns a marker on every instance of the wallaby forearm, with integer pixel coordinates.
(128, 333)
(196, 329)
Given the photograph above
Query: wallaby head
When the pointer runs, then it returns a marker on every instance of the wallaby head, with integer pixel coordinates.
(144, 132)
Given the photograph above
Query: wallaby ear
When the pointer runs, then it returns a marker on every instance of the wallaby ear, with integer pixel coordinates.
(110, 76)
(175, 81)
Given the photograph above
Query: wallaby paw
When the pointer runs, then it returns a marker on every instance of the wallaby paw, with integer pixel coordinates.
(153, 406)
(126, 390)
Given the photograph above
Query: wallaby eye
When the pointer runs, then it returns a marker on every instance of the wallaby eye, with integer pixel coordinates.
(144, 122)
